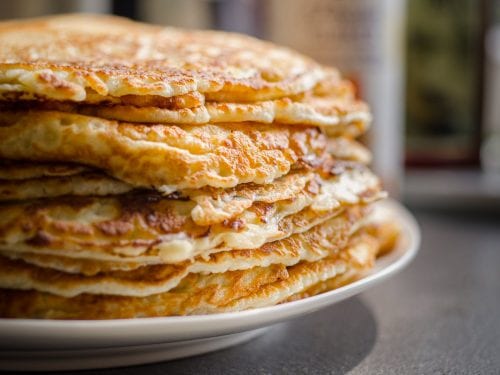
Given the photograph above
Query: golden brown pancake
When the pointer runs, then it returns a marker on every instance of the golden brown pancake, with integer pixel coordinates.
(202, 294)
(31, 180)
(82, 184)
(337, 109)
(317, 243)
(75, 57)
(15, 170)
(145, 227)
(164, 157)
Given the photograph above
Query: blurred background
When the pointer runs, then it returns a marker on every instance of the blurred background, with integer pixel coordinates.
(430, 70)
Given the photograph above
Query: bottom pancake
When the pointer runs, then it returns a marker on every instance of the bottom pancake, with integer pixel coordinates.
(205, 294)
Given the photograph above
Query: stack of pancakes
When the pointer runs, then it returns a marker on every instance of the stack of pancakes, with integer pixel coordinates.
(150, 171)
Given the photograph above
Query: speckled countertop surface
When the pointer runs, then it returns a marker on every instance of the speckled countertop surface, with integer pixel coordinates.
(440, 315)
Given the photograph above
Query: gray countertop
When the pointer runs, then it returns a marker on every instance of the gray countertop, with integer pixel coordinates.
(440, 315)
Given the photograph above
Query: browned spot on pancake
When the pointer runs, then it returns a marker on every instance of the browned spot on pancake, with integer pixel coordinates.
(261, 209)
(40, 238)
(235, 224)
(189, 100)
(72, 227)
(53, 80)
(313, 187)
(165, 220)
(114, 227)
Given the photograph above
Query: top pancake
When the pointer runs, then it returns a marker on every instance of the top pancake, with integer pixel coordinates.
(92, 58)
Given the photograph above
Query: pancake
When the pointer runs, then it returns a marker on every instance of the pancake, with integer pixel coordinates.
(15, 170)
(198, 293)
(315, 244)
(164, 157)
(213, 205)
(83, 184)
(149, 228)
(31, 180)
(336, 108)
(331, 103)
(75, 57)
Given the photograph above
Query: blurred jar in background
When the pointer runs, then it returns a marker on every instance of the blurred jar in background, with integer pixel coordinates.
(364, 39)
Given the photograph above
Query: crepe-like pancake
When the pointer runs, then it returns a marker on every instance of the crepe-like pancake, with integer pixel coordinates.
(190, 100)
(74, 57)
(198, 293)
(336, 109)
(164, 157)
(213, 205)
(83, 184)
(310, 246)
(15, 170)
(30, 180)
(146, 227)
(331, 111)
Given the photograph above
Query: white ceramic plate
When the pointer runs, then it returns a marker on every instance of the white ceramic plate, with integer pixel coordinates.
(29, 344)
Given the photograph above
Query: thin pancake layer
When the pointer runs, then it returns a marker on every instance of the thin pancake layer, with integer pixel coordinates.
(15, 170)
(337, 109)
(215, 204)
(339, 148)
(164, 157)
(197, 293)
(30, 180)
(82, 184)
(310, 246)
(149, 228)
(74, 57)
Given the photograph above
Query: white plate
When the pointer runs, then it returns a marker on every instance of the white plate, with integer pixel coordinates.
(29, 344)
